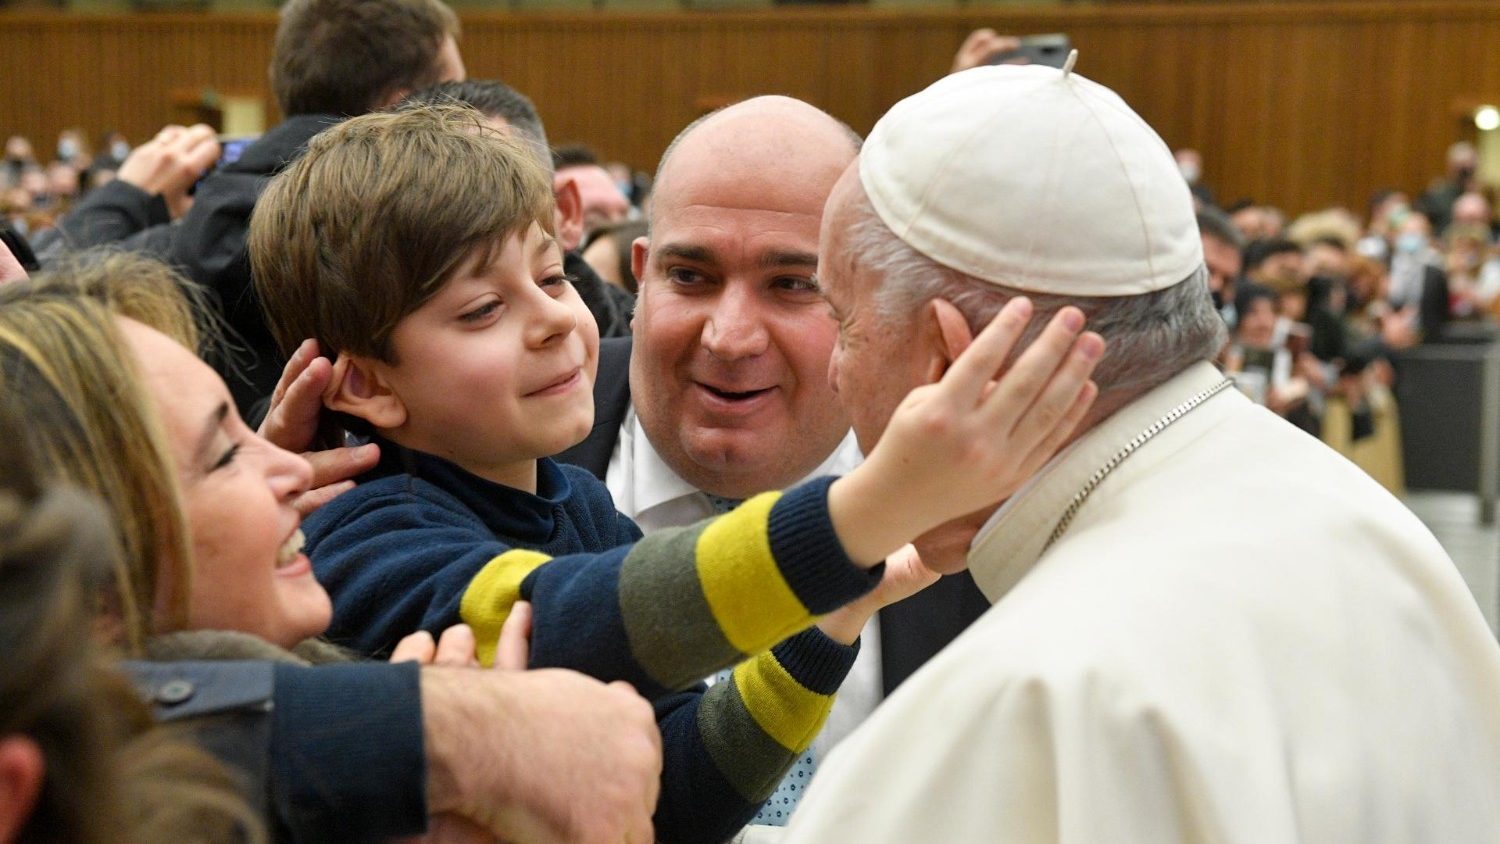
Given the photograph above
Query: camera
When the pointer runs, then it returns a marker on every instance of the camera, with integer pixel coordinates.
(1051, 50)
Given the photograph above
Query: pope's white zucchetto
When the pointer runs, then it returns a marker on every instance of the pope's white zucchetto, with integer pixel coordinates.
(1033, 178)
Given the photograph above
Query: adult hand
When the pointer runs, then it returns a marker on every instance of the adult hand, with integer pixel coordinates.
(969, 440)
(455, 648)
(979, 46)
(513, 652)
(904, 576)
(171, 163)
(544, 756)
(292, 423)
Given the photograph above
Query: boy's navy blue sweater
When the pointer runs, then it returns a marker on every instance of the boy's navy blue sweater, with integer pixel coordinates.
(421, 544)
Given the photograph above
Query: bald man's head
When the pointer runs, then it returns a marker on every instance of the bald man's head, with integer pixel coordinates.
(773, 130)
(732, 337)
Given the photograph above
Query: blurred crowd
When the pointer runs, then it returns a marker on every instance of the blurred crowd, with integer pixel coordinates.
(37, 189)
(1319, 305)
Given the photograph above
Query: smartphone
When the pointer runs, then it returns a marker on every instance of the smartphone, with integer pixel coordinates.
(1051, 50)
(231, 147)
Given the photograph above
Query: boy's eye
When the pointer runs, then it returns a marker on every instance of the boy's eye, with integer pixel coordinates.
(480, 312)
(557, 281)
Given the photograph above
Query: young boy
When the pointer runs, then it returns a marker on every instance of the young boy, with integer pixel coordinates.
(417, 247)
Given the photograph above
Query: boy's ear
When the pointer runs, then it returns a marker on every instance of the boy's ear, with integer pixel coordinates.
(359, 388)
(944, 336)
(569, 212)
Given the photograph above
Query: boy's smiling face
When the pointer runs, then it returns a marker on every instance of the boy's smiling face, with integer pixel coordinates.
(496, 369)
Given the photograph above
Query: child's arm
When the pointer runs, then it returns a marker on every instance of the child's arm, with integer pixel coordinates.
(399, 556)
(725, 750)
(680, 604)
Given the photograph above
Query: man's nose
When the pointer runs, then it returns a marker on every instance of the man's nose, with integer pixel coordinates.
(736, 327)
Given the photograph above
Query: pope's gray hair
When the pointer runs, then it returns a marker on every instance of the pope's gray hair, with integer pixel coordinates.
(1150, 337)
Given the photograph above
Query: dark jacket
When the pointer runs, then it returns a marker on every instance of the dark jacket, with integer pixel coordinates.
(610, 305)
(114, 213)
(328, 752)
(910, 631)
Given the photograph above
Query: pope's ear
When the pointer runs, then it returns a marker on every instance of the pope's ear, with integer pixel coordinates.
(360, 388)
(944, 334)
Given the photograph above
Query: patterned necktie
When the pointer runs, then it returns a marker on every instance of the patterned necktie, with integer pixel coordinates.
(777, 809)
(721, 504)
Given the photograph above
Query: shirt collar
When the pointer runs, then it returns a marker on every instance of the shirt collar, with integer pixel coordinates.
(1013, 540)
(651, 482)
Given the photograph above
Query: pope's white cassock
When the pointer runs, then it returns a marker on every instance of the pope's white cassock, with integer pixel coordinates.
(1239, 638)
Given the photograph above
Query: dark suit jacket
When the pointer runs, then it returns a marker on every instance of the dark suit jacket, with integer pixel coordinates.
(910, 632)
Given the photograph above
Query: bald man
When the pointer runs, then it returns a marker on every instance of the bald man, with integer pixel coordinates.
(727, 391)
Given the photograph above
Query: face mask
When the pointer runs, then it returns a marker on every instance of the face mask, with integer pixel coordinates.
(118, 150)
(1190, 171)
(1410, 242)
(67, 148)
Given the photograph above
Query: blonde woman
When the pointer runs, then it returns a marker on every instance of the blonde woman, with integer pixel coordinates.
(79, 761)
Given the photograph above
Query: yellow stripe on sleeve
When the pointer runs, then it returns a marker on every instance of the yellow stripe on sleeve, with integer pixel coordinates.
(487, 602)
(750, 600)
(786, 710)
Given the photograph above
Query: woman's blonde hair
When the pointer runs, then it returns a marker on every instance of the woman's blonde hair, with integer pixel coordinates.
(109, 774)
(65, 367)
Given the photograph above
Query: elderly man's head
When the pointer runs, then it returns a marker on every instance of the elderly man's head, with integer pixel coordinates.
(732, 336)
(952, 200)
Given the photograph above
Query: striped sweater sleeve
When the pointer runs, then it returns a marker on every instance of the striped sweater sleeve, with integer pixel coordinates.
(725, 751)
(679, 604)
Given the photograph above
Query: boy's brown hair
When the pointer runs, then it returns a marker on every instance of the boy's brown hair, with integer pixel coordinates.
(379, 213)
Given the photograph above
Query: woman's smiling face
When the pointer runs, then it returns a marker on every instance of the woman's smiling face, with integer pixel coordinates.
(249, 571)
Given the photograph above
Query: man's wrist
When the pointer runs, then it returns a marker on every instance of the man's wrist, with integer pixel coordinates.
(444, 736)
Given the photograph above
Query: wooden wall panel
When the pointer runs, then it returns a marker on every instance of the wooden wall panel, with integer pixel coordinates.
(1300, 103)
